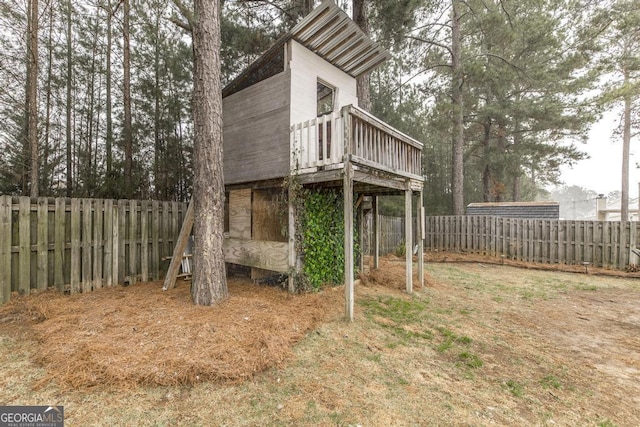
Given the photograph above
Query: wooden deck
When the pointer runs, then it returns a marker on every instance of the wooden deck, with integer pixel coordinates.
(327, 142)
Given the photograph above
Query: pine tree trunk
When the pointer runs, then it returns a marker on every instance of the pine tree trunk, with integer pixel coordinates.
(68, 102)
(457, 163)
(126, 84)
(109, 184)
(360, 16)
(47, 124)
(32, 96)
(209, 277)
(626, 142)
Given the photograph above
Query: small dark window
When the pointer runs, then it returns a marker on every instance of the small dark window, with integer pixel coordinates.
(325, 99)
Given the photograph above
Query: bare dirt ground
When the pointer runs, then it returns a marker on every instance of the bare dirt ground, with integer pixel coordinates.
(481, 344)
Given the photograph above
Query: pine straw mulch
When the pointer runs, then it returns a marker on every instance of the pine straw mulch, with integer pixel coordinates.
(140, 335)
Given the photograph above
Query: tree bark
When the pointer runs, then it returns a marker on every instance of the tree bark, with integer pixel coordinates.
(126, 85)
(109, 181)
(32, 95)
(457, 163)
(363, 84)
(626, 142)
(68, 102)
(209, 277)
(44, 178)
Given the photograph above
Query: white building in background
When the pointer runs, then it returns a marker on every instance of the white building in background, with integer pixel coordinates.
(609, 210)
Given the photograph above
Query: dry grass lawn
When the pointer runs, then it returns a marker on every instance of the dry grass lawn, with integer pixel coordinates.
(481, 344)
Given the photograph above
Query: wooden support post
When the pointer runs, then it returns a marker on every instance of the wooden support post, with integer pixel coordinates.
(376, 233)
(178, 250)
(293, 267)
(348, 240)
(408, 241)
(421, 237)
(360, 225)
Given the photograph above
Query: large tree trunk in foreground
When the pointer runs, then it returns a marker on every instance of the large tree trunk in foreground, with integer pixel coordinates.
(209, 277)
(457, 163)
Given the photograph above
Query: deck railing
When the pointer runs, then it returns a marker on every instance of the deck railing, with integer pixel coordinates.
(367, 141)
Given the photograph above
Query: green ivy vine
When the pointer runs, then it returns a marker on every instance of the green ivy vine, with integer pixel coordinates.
(319, 224)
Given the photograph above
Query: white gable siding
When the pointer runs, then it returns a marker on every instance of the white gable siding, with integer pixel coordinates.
(306, 68)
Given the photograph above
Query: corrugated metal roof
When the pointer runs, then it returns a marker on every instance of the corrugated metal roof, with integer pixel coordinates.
(329, 33)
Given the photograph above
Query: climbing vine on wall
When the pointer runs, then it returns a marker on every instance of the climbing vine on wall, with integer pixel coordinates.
(319, 224)
(323, 237)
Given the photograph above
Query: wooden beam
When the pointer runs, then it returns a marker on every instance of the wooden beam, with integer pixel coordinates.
(376, 234)
(421, 237)
(273, 256)
(408, 241)
(178, 250)
(292, 242)
(348, 241)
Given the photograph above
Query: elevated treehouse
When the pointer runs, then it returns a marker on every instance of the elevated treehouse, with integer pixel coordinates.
(293, 114)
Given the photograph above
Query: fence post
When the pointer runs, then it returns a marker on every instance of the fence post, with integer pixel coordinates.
(87, 239)
(58, 246)
(144, 240)
(5, 248)
(24, 260)
(75, 246)
(110, 243)
(98, 243)
(42, 243)
(133, 242)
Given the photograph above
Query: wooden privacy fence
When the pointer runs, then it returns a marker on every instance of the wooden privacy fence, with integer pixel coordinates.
(391, 233)
(78, 245)
(600, 243)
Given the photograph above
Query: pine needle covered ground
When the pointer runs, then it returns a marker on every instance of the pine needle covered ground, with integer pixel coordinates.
(481, 344)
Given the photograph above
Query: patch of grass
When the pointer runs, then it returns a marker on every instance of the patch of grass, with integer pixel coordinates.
(470, 360)
(550, 381)
(515, 388)
(451, 338)
(398, 310)
(399, 316)
(606, 423)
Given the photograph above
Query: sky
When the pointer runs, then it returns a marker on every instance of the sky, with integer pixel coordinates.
(602, 172)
